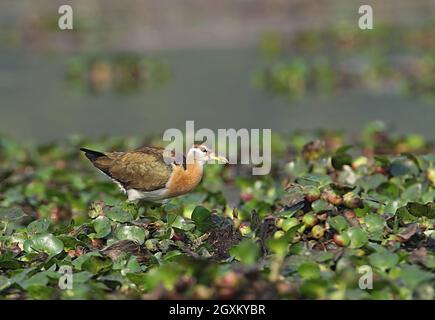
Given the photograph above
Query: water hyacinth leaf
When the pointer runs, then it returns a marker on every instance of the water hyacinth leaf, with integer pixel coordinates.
(382, 160)
(289, 212)
(181, 223)
(314, 288)
(38, 226)
(413, 276)
(399, 168)
(39, 278)
(134, 233)
(40, 292)
(297, 168)
(389, 189)
(321, 206)
(404, 214)
(170, 219)
(97, 265)
(102, 226)
(8, 261)
(375, 223)
(421, 210)
(82, 277)
(343, 149)
(173, 209)
(11, 214)
(4, 282)
(339, 223)
(202, 218)
(324, 256)
(383, 260)
(246, 252)
(309, 270)
(78, 262)
(341, 159)
(429, 262)
(70, 242)
(371, 182)
(172, 254)
(119, 215)
(47, 243)
(419, 162)
(317, 180)
(358, 237)
(167, 275)
(132, 266)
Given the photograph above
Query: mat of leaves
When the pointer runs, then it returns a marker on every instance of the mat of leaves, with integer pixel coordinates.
(327, 218)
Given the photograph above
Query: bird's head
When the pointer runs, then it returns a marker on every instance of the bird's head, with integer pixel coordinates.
(202, 154)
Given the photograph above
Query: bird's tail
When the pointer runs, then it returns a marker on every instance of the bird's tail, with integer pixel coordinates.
(92, 155)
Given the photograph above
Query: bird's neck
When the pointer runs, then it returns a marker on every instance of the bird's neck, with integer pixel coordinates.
(194, 168)
(183, 181)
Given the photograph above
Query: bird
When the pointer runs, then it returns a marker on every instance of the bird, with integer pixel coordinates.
(154, 174)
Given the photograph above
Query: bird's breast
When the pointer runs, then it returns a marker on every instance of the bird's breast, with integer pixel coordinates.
(183, 181)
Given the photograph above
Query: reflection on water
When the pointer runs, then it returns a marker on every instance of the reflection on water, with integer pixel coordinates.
(211, 86)
(389, 59)
(122, 73)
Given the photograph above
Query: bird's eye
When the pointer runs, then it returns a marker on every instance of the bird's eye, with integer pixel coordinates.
(203, 149)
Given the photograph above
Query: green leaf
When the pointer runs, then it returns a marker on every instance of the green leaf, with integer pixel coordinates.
(309, 270)
(4, 282)
(321, 206)
(11, 214)
(412, 276)
(38, 226)
(202, 218)
(317, 180)
(78, 263)
(417, 160)
(47, 243)
(412, 193)
(358, 237)
(341, 159)
(102, 226)
(133, 233)
(40, 292)
(421, 210)
(372, 182)
(339, 223)
(246, 252)
(343, 149)
(398, 168)
(8, 261)
(383, 260)
(375, 224)
(39, 278)
(119, 215)
(181, 223)
(97, 265)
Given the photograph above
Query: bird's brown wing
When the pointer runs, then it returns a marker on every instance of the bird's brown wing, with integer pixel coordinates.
(143, 169)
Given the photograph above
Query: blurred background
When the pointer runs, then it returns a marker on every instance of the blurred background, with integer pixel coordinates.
(136, 67)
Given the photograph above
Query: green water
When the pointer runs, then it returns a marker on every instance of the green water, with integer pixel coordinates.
(212, 87)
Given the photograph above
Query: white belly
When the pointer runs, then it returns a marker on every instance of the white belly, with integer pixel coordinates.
(155, 195)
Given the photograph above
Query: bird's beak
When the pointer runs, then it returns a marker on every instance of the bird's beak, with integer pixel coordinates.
(218, 158)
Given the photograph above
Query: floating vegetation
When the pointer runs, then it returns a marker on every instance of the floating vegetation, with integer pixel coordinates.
(344, 38)
(326, 212)
(120, 73)
(388, 59)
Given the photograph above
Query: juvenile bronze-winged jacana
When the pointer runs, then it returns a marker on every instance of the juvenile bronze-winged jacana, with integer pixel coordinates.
(153, 174)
